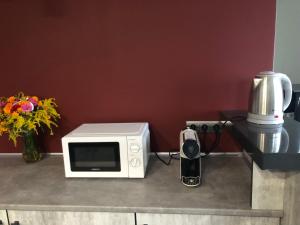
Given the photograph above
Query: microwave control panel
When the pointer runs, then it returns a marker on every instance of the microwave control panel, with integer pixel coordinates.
(134, 147)
(135, 162)
(138, 155)
(135, 152)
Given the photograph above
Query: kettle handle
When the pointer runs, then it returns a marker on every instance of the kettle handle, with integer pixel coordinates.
(285, 140)
(287, 87)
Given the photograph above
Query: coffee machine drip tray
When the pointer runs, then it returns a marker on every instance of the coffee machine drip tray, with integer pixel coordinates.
(191, 181)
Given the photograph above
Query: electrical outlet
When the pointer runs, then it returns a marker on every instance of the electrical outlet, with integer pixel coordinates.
(210, 124)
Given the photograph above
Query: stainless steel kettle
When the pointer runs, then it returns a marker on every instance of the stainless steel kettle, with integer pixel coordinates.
(271, 95)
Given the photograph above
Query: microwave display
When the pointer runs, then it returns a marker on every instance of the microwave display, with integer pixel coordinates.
(102, 156)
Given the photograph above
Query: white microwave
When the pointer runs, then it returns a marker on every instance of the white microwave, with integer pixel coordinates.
(107, 150)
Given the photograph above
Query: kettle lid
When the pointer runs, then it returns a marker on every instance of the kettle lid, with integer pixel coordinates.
(267, 73)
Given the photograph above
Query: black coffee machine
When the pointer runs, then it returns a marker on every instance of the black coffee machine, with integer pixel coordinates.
(190, 158)
(294, 107)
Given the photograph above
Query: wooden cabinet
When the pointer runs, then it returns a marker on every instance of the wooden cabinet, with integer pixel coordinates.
(67, 218)
(3, 217)
(180, 219)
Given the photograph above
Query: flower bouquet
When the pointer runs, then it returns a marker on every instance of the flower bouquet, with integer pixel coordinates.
(22, 116)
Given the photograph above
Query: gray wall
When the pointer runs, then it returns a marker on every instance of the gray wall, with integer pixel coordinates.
(287, 39)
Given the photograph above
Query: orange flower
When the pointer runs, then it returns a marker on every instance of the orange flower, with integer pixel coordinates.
(40, 103)
(35, 98)
(23, 102)
(7, 108)
(15, 114)
(11, 99)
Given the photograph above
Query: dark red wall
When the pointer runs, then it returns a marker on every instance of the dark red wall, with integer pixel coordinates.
(160, 61)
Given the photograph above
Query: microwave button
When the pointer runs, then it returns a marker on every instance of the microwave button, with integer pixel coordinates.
(134, 148)
(135, 162)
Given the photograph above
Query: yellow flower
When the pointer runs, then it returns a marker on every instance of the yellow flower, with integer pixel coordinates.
(20, 121)
(2, 128)
(19, 113)
(15, 114)
(31, 126)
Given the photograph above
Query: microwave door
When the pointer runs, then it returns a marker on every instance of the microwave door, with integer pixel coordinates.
(102, 156)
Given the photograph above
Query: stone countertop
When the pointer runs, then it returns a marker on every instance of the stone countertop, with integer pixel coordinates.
(225, 189)
(273, 147)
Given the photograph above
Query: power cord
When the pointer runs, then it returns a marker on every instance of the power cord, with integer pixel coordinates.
(233, 119)
(215, 144)
(217, 130)
(171, 157)
(204, 130)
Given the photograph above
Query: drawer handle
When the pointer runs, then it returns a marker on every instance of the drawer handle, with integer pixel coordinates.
(1, 222)
(16, 223)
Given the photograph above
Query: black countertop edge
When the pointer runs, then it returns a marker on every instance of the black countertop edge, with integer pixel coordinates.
(265, 160)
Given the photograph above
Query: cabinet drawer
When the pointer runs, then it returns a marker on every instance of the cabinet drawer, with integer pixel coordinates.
(67, 218)
(180, 219)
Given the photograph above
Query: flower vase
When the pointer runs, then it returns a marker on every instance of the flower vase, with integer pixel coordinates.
(31, 151)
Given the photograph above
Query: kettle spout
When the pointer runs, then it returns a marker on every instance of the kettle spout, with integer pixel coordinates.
(256, 82)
